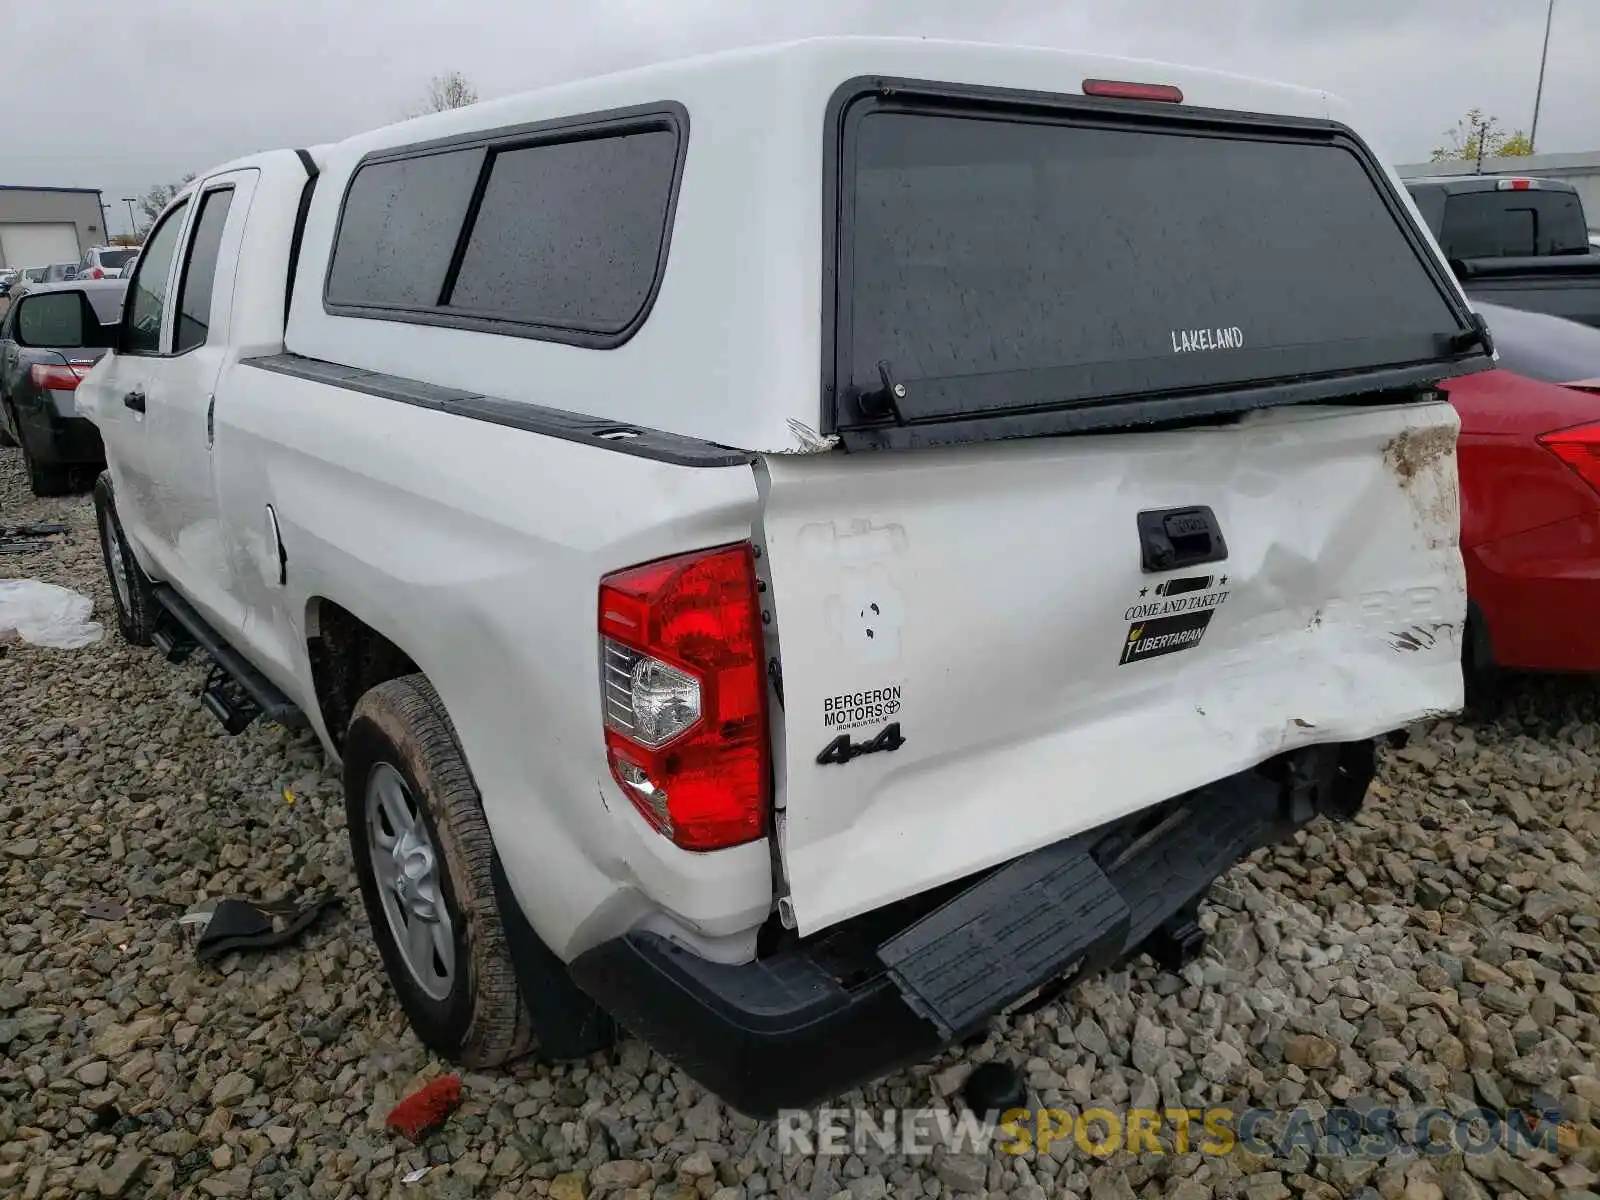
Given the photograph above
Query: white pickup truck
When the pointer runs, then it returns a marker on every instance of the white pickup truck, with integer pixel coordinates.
(799, 550)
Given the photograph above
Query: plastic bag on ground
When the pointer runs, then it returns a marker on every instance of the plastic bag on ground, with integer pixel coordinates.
(43, 614)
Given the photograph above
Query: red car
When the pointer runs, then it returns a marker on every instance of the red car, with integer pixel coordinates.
(1530, 496)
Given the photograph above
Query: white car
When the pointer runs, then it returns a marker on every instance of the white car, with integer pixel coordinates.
(801, 549)
(106, 262)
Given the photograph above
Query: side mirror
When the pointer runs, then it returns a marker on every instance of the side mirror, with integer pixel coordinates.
(60, 321)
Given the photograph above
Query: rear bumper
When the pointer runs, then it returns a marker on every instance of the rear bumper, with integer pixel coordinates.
(892, 987)
(56, 440)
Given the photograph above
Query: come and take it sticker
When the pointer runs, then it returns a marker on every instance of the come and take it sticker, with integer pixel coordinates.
(1172, 616)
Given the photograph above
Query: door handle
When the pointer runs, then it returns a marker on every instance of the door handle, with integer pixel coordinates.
(1180, 537)
(135, 401)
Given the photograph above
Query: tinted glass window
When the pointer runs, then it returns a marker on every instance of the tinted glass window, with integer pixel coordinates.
(143, 332)
(1485, 225)
(399, 227)
(1513, 224)
(570, 234)
(1430, 203)
(1020, 263)
(114, 259)
(200, 270)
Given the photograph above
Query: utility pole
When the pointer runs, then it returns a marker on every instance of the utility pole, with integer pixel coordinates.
(1483, 136)
(1538, 95)
(133, 226)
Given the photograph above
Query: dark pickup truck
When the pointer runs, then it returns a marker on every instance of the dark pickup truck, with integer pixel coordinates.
(1517, 241)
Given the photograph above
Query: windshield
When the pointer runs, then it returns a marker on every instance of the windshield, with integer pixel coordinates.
(1004, 264)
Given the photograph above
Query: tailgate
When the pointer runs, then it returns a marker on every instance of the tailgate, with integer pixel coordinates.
(979, 656)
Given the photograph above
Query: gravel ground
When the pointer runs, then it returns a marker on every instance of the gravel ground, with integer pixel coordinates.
(1442, 950)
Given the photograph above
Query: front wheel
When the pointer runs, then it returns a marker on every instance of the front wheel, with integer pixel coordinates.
(424, 857)
(131, 590)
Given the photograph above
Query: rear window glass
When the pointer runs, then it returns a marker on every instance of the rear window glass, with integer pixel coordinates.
(114, 260)
(1008, 263)
(569, 234)
(398, 229)
(1513, 224)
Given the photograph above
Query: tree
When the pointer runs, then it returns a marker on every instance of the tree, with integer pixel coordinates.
(452, 90)
(126, 239)
(154, 202)
(1475, 129)
(1518, 145)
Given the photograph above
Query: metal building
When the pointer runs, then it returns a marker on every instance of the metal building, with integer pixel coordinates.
(44, 225)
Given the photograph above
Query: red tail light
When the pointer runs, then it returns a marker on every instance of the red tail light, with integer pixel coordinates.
(1120, 90)
(685, 697)
(58, 377)
(1579, 448)
(94, 273)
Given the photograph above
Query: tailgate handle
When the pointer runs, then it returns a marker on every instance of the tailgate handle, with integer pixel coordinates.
(1170, 538)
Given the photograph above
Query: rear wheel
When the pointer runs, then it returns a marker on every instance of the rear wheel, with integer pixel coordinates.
(6, 440)
(1479, 674)
(131, 590)
(424, 857)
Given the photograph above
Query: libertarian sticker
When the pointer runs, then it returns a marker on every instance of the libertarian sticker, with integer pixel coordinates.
(853, 710)
(1165, 635)
(1171, 616)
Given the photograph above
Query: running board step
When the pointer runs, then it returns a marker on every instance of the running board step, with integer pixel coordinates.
(174, 643)
(225, 700)
(235, 692)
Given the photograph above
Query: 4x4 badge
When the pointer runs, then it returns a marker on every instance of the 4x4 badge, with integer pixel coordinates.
(841, 750)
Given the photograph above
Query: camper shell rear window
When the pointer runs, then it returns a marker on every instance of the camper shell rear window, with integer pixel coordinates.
(995, 256)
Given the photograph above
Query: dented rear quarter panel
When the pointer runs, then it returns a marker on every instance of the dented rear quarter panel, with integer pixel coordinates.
(478, 550)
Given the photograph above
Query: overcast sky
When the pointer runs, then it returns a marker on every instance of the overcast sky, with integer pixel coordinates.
(141, 91)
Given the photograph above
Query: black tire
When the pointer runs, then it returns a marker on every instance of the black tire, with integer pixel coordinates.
(137, 611)
(482, 1020)
(46, 479)
(7, 442)
(1480, 676)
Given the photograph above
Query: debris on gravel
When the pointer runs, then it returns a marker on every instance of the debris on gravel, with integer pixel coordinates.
(1438, 955)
